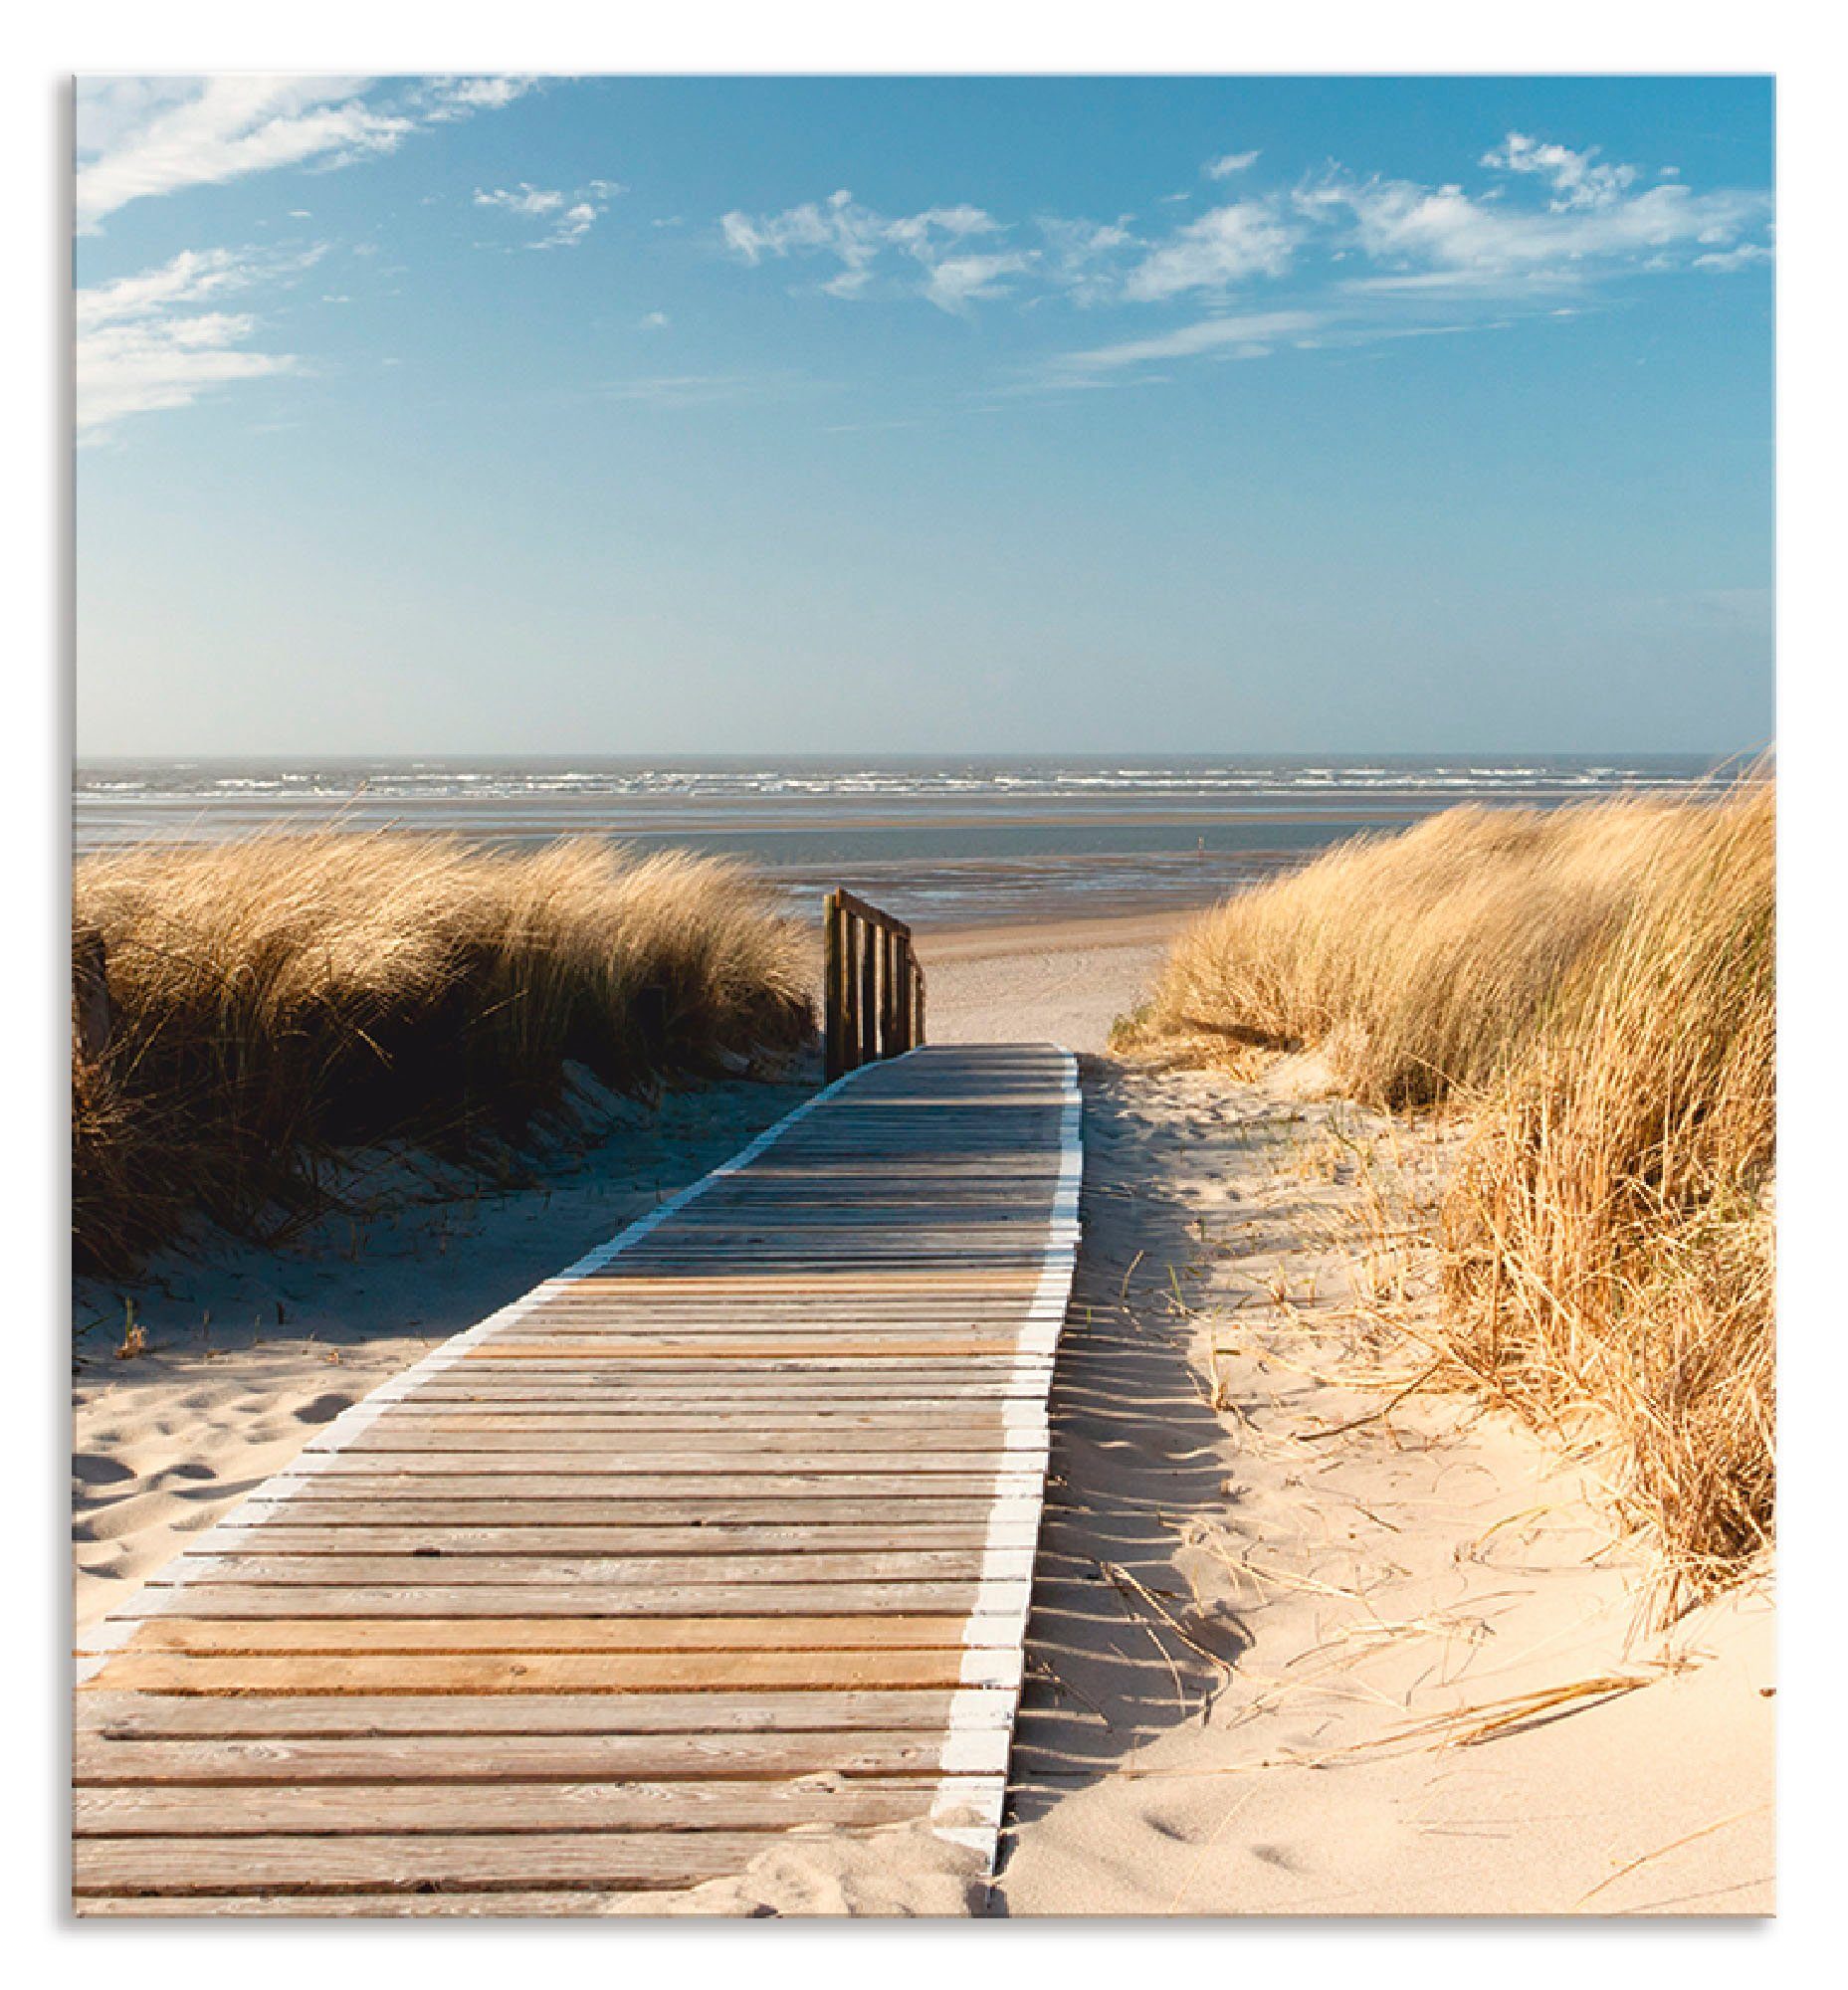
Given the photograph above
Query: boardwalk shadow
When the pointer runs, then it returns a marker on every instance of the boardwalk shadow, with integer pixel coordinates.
(1116, 1653)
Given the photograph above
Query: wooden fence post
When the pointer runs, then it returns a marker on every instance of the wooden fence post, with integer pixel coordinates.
(869, 995)
(833, 986)
(872, 985)
(889, 994)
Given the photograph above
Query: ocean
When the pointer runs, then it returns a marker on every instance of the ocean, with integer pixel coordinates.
(942, 842)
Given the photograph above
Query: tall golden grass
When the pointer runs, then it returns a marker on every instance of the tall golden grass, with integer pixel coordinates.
(1595, 986)
(275, 1000)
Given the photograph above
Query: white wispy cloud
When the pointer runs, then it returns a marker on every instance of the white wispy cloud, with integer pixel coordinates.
(1385, 259)
(1742, 258)
(568, 217)
(1403, 227)
(956, 281)
(1224, 246)
(1558, 219)
(923, 252)
(1577, 180)
(1228, 163)
(453, 97)
(573, 225)
(1084, 257)
(138, 137)
(1248, 335)
(522, 200)
(1343, 324)
(159, 340)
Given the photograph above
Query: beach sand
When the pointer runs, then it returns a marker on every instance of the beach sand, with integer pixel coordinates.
(1303, 1647)
(1063, 982)
(1299, 1646)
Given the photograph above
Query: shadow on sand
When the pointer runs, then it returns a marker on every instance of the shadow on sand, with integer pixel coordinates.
(1115, 1655)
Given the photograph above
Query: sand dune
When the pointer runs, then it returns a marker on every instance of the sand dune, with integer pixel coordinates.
(1299, 1647)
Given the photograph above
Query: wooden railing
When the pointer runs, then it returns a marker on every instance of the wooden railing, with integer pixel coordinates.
(875, 989)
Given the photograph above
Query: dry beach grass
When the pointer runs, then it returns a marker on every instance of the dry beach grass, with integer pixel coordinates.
(246, 1010)
(1594, 989)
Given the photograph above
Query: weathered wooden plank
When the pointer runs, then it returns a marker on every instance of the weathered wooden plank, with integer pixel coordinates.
(539, 1672)
(235, 1636)
(539, 1600)
(845, 1518)
(661, 1397)
(145, 1716)
(574, 1758)
(755, 1322)
(844, 1379)
(833, 1279)
(631, 1406)
(904, 1424)
(477, 1861)
(335, 1570)
(362, 1536)
(706, 1492)
(507, 1904)
(420, 1809)
(583, 1467)
(668, 1392)
(260, 1565)
(772, 1346)
(687, 1369)
(406, 1439)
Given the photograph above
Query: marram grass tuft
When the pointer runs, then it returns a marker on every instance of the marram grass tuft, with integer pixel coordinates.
(270, 1001)
(1594, 986)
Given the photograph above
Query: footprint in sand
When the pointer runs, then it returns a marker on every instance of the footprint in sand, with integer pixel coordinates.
(91, 1468)
(323, 1409)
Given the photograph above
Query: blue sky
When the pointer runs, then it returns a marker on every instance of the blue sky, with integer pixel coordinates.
(657, 416)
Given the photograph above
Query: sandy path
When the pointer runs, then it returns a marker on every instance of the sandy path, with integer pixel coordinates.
(1065, 983)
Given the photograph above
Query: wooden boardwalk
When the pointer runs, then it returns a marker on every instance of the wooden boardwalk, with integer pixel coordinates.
(727, 1529)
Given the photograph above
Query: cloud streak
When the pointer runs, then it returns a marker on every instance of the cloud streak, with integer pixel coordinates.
(160, 340)
(139, 138)
(1228, 163)
(1239, 336)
